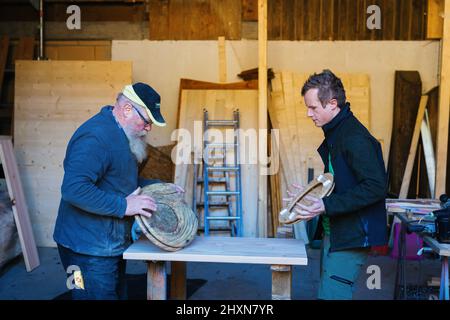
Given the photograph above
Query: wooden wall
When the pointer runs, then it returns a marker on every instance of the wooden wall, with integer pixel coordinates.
(287, 19)
(52, 98)
(237, 19)
(345, 20)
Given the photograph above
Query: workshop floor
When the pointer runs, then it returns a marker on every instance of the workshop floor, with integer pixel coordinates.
(209, 281)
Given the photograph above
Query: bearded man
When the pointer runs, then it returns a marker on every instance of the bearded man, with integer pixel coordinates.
(100, 192)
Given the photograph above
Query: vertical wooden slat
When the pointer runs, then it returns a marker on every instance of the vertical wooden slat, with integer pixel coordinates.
(288, 21)
(388, 19)
(274, 20)
(314, 20)
(418, 20)
(435, 22)
(262, 115)
(444, 106)
(413, 149)
(25, 49)
(158, 20)
(222, 60)
(19, 205)
(249, 10)
(327, 19)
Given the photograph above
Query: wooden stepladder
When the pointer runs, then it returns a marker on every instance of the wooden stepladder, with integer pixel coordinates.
(19, 206)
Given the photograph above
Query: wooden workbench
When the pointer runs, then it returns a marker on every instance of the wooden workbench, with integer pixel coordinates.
(281, 254)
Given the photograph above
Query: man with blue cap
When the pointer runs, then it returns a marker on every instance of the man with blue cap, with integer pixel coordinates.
(100, 192)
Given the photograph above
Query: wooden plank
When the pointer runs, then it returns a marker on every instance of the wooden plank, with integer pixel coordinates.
(388, 19)
(271, 251)
(326, 19)
(158, 20)
(249, 10)
(444, 106)
(25, 49)
(435, 21)
(287, 20)
(156, 280)
(52, 98)
(275, 20)
(412, 151)
(19, 204)
(262, 117)
(222, 60)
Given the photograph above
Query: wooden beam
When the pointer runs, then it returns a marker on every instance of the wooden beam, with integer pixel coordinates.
(435, 21)
(262, 117)
(19, 206)
(222, 61)
(444, 106)
(412, 150)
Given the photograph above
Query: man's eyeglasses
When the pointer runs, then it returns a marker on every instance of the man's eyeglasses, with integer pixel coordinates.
(147, 122)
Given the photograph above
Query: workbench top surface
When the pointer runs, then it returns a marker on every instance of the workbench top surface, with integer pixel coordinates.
(273, 251)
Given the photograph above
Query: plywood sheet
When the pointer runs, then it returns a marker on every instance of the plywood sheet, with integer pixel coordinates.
(52, 98)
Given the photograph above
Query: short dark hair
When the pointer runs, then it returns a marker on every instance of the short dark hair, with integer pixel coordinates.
(330, 87)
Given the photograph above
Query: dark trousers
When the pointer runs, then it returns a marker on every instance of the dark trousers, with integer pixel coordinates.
(93, 277)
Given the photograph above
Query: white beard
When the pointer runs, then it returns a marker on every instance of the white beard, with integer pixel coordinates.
(137, 143)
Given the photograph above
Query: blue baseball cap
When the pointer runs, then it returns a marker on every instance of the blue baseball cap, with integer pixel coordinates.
(145, 96)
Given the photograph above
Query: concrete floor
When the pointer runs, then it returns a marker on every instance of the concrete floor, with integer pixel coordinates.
(223, 281)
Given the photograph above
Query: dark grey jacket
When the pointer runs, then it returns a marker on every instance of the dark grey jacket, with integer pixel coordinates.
(356, 207)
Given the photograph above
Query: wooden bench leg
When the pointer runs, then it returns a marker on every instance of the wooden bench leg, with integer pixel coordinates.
(281, 282)
(178, 280)
(156, 280)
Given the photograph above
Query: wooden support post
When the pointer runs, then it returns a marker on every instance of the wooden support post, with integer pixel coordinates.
(222, 61)
(412, 150)
(262, 117)
(281, 282)
(178, 280)
(156, 280)
(19, 206)
(444, 106)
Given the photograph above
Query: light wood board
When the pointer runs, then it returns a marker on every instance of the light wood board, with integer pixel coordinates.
(19, 204)
(226, 250)
(52, 98)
